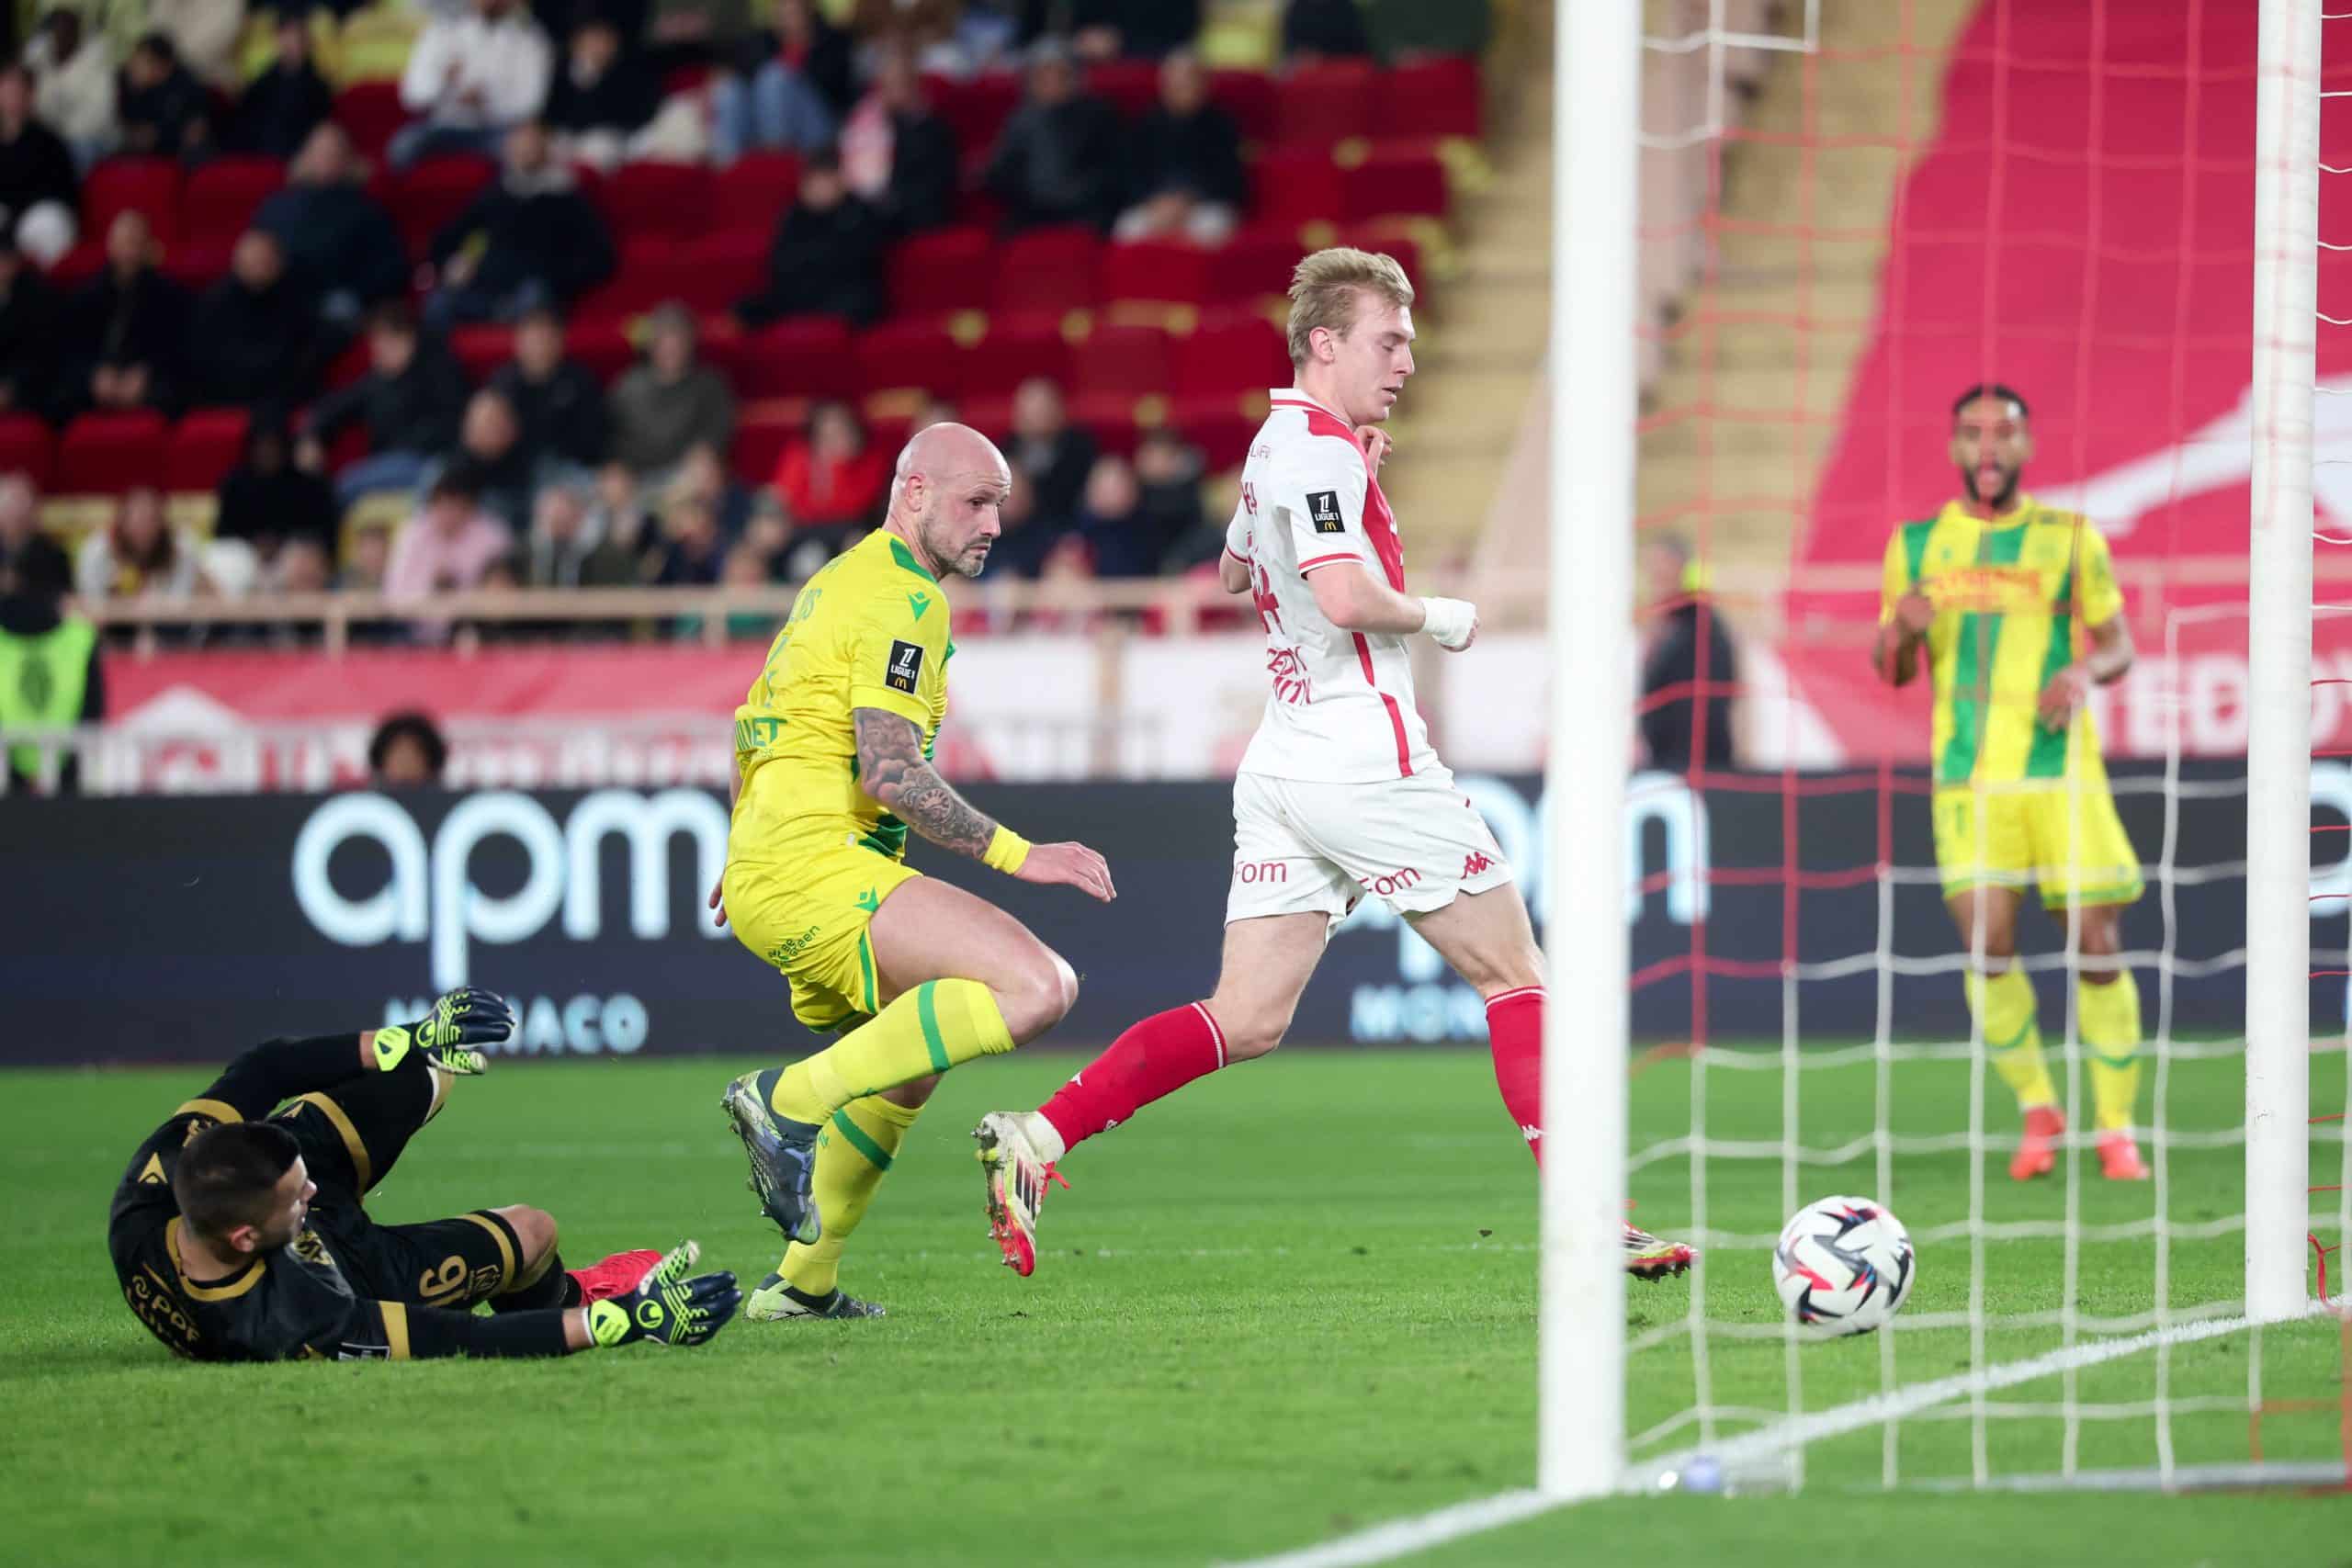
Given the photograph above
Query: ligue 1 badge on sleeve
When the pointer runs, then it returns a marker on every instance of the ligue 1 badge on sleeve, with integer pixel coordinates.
(906, 666)
(1323, 511)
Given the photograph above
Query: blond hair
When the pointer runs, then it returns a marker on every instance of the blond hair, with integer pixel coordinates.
(1323, 292)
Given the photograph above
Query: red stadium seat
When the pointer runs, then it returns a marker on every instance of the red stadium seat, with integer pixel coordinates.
(427, 196)
(480, 350)
(974, 107)
(1385, 238)
(653, 273)
(151, 185)
(1015, 349)
(1257, 260)
(1299, 185)
(760, 435)
(196, 264)
(1249, 98)
(939, 273)
(672, 201)
(1131, 87)
(1317, 106)
(370, 112)
(219, 197)
(1175, 271)
(78, 266)
(1220, 426)
(602, 348)
(347, 366)
(808, 357)
(28, 447)
(1431, 98)
(1049, 269)
(756, 192)
(1235, 353)
(991, 415)
(1110, 418)
(106, 454)
(205, 446)
(910, 356)
(1390, 182)
(1128, 362)
(729, 266)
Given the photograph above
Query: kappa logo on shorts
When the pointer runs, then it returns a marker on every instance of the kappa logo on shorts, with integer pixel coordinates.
(906, 666)
(1323, 511)
(1476, 864)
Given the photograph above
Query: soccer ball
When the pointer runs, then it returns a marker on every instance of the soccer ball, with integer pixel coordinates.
(1843, 1266)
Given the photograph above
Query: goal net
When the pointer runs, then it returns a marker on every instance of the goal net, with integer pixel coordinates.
(1850, 212)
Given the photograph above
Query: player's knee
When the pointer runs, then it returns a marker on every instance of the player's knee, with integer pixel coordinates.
(1039, 996)
(1250, 1032)
(535, 1229)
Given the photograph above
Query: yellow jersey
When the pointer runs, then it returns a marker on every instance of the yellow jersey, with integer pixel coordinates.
(2007, 593)
(868, 631)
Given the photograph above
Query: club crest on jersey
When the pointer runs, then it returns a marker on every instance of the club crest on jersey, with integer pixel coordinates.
(906, 666)
(1323, 511)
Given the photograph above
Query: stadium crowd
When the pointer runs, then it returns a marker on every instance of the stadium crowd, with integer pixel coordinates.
(400, 366)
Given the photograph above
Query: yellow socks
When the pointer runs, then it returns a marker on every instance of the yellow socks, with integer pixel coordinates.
(2109, 1018)
(853, 1153)
(926, 1030)
(2003, 1004)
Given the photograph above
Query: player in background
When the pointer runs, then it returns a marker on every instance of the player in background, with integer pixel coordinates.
(832, 761)
(1339, 793)
(240, 1235)
(1992, 588)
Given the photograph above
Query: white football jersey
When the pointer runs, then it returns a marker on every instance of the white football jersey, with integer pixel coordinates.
(1339, 708)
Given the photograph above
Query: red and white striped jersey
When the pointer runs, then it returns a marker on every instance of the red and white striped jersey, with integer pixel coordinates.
(1340, 706)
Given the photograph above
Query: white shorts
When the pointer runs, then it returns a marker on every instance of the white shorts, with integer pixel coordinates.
(1301, 848)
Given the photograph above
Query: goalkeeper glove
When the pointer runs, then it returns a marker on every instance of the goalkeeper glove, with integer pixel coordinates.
(667, 1307)
(464, 1018)
(1452, 623)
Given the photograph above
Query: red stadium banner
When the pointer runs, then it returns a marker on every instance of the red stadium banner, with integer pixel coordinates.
(2081, 228)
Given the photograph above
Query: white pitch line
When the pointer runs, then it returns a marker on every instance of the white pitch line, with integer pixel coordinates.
(1399, 1538)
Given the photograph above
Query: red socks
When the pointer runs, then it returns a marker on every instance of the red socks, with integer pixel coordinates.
(1515, 1028)
(1152, 1060)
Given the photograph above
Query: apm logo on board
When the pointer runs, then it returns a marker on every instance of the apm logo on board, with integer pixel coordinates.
(431, 897)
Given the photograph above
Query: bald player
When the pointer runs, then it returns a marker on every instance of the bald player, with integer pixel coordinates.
(833, 766)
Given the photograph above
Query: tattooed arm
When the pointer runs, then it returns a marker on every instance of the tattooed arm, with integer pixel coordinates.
(893, 770)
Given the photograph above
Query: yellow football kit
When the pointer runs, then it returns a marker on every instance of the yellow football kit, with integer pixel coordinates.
(811, 855)
(2007, 593)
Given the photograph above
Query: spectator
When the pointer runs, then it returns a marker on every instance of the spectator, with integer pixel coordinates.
(28, 345)
(896, 153)
(1170, 474)
(1186, 163)
(39, 192)
(826, 259)
(601, 98)
(491, 451)
(794, 97)
(364, 563)
(529, 239)
(670, 403)
(558, 401)
(1106, 30)
(409, 401)
(833, 478)
(1686, 645)
(703, 477)
(407, 753)
(281, 108)
(1123, 539)
(695, 33)
(138, 554)
(301, 566)
(693, 549)
(1057, 159)
(204, 33)
(445, 548)
(472, 77)
(75, 91)
(616, 515)
(567, 548)
(1317, 31)
(340, 245)
(268, 501)
(56, 676)
(129, 324)
(255, 340)
(164, 109)
(31, 560)
(1056, 455)
(1028, 534)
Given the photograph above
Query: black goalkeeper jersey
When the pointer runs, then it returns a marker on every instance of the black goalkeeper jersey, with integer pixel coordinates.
(292, 1302)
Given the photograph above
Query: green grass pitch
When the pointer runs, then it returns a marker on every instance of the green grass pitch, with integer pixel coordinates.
(1294, 1301)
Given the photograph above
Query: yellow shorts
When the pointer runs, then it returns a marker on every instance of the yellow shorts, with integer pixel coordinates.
(806, 913)
(2007, 837)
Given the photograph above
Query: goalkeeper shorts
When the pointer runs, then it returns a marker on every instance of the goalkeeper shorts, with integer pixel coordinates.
(2069, 843)
(806, 913)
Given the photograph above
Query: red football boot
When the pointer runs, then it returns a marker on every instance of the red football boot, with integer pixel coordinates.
(615, 1276)
(2118, 1158)
(2037, 1151)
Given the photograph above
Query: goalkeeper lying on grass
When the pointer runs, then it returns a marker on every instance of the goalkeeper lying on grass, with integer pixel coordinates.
(238, 1234)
